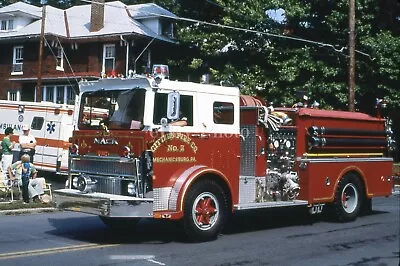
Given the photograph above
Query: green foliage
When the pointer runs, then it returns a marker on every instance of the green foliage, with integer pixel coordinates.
(277, 67)
(7, 2)
(308, 52)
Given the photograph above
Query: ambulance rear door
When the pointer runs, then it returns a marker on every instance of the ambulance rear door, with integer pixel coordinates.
(66, 123)
(52, 145)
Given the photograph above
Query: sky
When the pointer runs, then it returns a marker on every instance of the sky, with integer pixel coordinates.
(276, 14)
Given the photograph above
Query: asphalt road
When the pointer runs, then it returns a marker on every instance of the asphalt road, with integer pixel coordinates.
(273, 237)
(57, 181)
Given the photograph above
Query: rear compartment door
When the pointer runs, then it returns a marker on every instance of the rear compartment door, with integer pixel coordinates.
(51, 131)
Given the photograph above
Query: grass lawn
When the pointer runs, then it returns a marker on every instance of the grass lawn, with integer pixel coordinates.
(6, 204)
(18, 204)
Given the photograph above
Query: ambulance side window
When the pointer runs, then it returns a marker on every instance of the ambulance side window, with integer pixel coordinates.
(223, 113)
(37, 123)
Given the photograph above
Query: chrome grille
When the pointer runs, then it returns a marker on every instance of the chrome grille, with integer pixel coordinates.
(248, 151)
(110, 185)
(161, 196)
(104, 167)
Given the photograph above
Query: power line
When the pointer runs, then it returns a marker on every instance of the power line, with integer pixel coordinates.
(329, 45)
(321, 44)
(57, 61)
(69, 64)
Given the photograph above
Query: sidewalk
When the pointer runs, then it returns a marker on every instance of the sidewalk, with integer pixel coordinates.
(11, 202)
(17, 207)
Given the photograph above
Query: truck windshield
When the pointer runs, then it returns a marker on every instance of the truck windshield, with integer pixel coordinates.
(118, 109)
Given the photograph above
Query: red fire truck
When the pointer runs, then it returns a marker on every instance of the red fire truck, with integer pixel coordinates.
(197, 153)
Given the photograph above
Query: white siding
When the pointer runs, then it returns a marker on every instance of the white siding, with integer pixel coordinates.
(21, 22)
(153, 24)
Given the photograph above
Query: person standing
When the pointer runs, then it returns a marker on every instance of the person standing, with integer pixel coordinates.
(27, 143)
(7, 145)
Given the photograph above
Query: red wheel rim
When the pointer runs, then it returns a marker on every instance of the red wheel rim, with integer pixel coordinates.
(205, 211)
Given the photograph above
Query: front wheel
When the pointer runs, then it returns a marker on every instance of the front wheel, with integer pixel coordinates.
(205, 211)
(348, 198)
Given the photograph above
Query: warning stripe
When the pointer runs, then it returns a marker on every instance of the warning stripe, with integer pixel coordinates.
(45, 142)
(49, 165)
(35, 109)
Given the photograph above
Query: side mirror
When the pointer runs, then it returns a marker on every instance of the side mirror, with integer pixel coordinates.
(164, 122)
(173, 105)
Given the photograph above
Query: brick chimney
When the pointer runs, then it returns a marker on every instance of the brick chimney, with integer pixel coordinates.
(97, 15)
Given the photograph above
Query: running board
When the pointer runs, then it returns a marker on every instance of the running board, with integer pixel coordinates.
(271, 204)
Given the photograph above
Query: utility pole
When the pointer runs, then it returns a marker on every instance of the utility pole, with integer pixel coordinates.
(39, 77)
(352, 44)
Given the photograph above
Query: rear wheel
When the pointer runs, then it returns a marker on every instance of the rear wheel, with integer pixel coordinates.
(119, 223)
(205, 211)
(366, 208)
(348, 198)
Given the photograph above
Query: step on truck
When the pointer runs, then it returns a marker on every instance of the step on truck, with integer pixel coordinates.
(197, 153)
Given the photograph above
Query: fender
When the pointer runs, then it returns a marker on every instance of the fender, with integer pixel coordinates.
(184, 181)
(347, 170)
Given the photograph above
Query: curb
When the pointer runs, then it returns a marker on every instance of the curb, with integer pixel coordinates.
(28, 210)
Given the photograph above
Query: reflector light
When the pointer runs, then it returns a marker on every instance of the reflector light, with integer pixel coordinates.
(161, 70)
(73, 149)
(165, 70)
(57, 111)
(21, 109)
(126, 151)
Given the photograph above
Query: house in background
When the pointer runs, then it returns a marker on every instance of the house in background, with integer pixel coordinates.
(81, 42)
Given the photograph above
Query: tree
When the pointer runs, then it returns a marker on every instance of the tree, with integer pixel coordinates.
(7, 2)
(305, 52)
(278, 67)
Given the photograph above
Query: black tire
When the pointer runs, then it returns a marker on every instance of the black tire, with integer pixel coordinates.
(118, 223)
(348, 198)
(205, 211)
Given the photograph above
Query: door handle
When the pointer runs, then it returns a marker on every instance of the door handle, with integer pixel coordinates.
(200, 136)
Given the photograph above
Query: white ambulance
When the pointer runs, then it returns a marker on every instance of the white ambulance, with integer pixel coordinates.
(51, 124)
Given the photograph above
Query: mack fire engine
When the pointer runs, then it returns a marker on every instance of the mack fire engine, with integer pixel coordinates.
(231, 153)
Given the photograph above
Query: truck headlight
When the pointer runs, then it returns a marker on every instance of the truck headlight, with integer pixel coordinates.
(74, 149)
(131, 189)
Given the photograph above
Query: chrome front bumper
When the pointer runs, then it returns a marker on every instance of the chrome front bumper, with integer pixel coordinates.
(103, 204)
